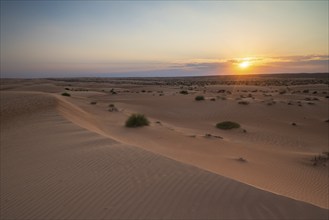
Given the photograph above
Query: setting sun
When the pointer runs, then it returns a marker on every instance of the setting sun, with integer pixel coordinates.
(244, 64)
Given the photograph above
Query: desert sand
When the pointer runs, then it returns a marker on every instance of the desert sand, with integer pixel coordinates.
(69, 157)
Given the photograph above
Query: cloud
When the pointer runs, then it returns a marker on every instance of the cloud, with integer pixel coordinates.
(195, 67)
(275, 64)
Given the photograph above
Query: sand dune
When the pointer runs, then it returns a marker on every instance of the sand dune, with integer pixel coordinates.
(62, 158)
(268, 153)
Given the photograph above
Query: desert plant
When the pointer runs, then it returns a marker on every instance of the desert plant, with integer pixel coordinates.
(113, 109)
(111, 105)
(243, 102)
(241, 159)
(93, 103)
(321, 159)
(199, 98)
(184, 92)
(137, 120)
(66, 94)
(226, 125)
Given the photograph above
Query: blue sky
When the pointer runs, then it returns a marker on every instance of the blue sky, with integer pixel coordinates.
(88, 38)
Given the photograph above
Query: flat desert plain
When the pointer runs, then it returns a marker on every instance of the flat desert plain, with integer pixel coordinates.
(72, 157)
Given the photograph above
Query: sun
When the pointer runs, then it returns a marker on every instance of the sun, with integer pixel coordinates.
(244, 64)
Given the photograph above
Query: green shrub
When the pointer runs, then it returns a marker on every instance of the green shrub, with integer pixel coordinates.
(137, 120)
(199, 98)
(227, 125)
(66, 94)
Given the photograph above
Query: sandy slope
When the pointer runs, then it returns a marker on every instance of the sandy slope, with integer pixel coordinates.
(95, 168)
(277, 153)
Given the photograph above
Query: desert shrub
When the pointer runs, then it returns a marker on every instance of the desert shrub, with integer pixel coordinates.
(226, 125)
(199, 98)
(113, 109)
(321, 160)
(66, 94)
(241, 159)
(184, 92)
(213, 99)
(137, 120)
(111, 105)
(243, 102)
(93, 103)
(113, 92)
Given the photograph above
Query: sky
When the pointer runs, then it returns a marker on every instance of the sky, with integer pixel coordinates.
(162, 38)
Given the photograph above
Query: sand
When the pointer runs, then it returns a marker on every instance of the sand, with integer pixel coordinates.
(63, 158)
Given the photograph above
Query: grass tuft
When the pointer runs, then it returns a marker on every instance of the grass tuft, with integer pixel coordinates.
(243, 102)
(137, 120)
(199, 98)
(66, 94)
(226, 125)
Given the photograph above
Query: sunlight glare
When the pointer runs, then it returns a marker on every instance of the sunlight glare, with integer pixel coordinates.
(244, 64)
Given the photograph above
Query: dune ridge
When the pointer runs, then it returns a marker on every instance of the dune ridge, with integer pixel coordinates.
(217, 156)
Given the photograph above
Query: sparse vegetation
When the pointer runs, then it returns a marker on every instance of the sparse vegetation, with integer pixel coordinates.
(184, 92)
(226, 125)
(272, 102)
(241, 159)
(243, 102)
(213, 99)
(66, 94)
(137, 120)
(321, 160)
(199, 98)
(211, 135)
(113, 92)
(112, 108)
(93, 103)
